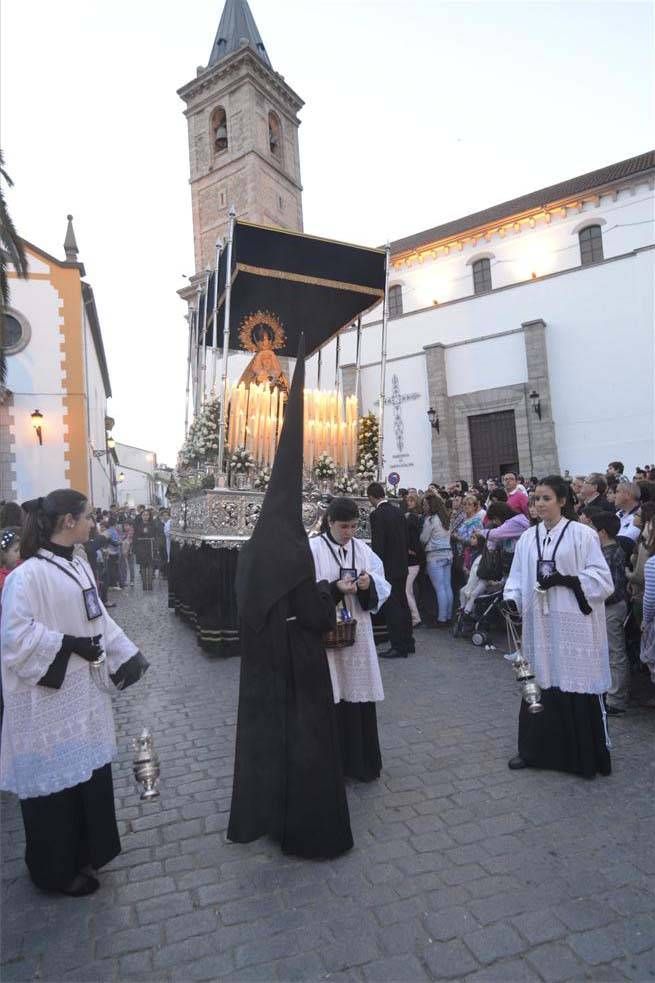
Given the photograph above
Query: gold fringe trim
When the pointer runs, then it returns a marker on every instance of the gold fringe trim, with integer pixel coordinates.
(312, 280)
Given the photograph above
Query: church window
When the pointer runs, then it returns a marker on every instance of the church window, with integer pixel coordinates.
(591, 245)
(219, 130)
(275, 134)
(16, 332)
(482, 276)
(395, 300)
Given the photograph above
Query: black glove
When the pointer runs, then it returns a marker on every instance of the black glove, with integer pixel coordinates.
(572, 583)
(88, 649)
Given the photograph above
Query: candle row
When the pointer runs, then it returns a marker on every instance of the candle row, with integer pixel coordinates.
(256, 414)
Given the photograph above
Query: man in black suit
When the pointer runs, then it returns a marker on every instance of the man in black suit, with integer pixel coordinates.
(389, 541)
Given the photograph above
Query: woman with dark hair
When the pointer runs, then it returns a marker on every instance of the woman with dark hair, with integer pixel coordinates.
(415, 551)
(559, 582)
(58, 736)
(358, 586)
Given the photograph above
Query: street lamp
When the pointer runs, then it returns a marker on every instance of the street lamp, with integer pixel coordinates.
(536, 403)
(434, 420)
(37, 420)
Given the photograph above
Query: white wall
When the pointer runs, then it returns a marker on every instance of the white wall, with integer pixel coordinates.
(101, 485)
(486, 364)
(35, 377)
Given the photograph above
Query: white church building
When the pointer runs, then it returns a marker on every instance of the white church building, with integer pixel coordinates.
(528, 328)
(521, 337)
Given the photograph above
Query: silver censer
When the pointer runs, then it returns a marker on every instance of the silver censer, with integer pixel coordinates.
(146, 765)
(530, 690)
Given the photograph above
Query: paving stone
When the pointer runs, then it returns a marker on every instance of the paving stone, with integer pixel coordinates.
(494, 942)
(554, 962)
(596, 946)
(395, 968)
(188, 926)
(539, 926)
(580, 915)
(131, 940)
(159, 909)
(184, 951)
(449, 923)
(449, 960)
(301, 968)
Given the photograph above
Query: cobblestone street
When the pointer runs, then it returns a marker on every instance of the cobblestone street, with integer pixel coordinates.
(461, 869)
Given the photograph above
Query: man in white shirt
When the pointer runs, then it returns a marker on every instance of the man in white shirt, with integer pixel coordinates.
(627, 498)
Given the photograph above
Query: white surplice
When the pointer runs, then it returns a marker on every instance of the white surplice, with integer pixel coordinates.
(566, 648)
(53, 739)
(355, 671)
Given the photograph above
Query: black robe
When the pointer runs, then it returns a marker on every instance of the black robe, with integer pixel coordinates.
(288, 780)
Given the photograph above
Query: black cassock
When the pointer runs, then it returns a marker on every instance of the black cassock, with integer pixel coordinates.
(288, 779)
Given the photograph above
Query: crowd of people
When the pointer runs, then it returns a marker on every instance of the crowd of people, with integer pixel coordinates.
(571, 557)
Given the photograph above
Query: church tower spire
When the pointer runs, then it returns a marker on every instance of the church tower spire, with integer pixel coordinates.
(236, 26)
(243, 136)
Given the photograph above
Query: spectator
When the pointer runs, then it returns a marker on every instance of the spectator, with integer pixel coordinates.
(626, 500)
(113, 551)
(9, 552)
(517, 498)
(11, 514)
(471, 523)
(435, 538)
(616, 609)
(593, 493)
(647, 654)
(615, 470)
(415, 551)
(389, 542)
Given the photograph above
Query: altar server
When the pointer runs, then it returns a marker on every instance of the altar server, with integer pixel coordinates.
(559, 582)
(58, 730)
(288, 780)
(356, 577)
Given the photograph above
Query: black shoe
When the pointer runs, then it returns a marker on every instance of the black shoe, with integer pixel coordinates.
(516, 763)
(392, 654)
(614, 711)
(82, 885)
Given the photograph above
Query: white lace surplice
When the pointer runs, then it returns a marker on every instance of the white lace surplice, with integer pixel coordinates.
(355, 671)
(566, 648)
(53, 739)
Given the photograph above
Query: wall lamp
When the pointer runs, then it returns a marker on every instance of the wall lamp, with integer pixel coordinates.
(536, 402)
(37, 420)
(434, 420)
(120, 476)
(111, 443)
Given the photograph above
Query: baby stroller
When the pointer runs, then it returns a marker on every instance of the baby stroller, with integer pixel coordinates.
(485, 615)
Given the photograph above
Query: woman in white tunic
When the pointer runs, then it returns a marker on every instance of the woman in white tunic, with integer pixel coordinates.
(58, 730)
(356, 578)
(559, 581)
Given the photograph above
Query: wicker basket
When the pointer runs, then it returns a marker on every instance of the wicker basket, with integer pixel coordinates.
(343, 636)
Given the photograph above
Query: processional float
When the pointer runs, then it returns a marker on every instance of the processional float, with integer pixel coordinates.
(266, 288)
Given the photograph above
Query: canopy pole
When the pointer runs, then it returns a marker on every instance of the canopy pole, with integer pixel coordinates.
(196, 354)
(358, 359)
(219, 245)
(226, 336)
(318, 372)
(337, 362)
(189, 319)
(383, 364)
(204, 342)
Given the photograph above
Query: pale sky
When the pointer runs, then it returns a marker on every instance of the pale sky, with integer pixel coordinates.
(416, 112)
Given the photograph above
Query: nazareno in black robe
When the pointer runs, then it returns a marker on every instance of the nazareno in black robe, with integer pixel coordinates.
(288, 779)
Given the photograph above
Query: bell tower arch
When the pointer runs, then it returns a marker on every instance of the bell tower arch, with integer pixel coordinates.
(243, 136)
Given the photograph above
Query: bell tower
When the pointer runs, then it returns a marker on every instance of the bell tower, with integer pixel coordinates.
(243, 136)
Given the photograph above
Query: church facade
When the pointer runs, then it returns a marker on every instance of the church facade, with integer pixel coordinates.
(528, 329)
(520, 337)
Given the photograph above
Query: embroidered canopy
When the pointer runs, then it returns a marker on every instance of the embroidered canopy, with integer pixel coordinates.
(302, 283)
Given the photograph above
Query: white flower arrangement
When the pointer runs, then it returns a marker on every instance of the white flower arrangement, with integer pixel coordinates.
(346, 485)
(262, 479)
(325, 467)
(367, 467)
(201, 444)
(241, 460)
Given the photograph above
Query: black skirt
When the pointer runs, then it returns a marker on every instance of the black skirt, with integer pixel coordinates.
(358, 737)
(568, 735)
(69, 830)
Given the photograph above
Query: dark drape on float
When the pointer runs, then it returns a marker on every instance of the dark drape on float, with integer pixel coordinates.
(314, 286)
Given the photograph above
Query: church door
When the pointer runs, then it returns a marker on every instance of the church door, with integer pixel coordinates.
(493, 444)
